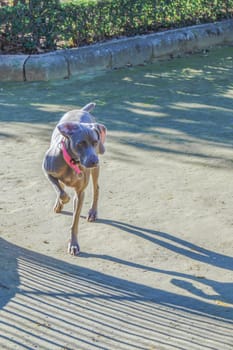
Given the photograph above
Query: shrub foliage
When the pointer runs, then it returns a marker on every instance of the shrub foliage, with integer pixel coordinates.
(36, 26)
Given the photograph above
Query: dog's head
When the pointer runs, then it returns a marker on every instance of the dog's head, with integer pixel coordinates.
(85, 141)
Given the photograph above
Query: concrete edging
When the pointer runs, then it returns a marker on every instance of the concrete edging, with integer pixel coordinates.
(116, 53)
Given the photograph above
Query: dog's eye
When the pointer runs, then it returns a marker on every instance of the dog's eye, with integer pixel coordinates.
(95, 143)
(81, 144)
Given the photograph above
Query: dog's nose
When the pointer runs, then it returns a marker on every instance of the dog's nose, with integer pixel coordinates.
(92, 162)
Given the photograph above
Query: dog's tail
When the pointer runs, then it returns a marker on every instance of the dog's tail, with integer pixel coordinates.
(89, 107)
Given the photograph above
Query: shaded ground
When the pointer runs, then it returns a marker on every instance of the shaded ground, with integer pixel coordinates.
(155, 271)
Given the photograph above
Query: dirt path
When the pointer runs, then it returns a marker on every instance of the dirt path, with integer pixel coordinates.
(155, 271)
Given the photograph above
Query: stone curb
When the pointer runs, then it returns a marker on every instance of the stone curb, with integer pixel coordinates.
(114, 54)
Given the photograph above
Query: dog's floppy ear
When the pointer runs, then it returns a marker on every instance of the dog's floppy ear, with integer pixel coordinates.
(68, 128)
(102, 131)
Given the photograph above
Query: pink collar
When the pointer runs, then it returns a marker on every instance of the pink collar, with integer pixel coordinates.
(70, 161)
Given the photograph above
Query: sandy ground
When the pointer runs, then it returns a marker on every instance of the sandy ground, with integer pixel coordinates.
(155, 271)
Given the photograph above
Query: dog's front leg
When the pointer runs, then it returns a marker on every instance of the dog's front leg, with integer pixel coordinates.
(92, 214)
(73, 246)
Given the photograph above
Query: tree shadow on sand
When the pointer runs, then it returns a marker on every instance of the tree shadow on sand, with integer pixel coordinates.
(56, 303)
(191, 96)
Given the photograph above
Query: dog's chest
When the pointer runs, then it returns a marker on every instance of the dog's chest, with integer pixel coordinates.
(71, 179)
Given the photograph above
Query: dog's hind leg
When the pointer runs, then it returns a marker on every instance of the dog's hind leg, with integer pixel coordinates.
(62, 196)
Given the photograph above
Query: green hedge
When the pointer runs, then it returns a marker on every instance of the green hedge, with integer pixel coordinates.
(39, 26)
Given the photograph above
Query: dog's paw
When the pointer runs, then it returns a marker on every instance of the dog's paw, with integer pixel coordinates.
(63, 199)
(73, 248)
(58, 207)
(92, 215)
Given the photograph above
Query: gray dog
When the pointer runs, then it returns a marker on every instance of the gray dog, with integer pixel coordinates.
(71, 159)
